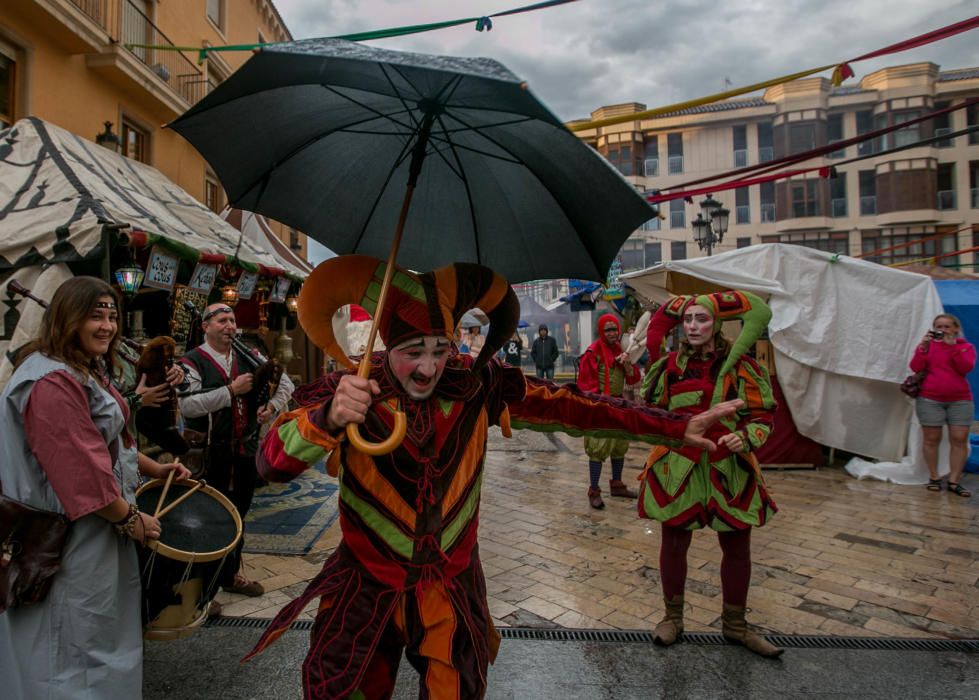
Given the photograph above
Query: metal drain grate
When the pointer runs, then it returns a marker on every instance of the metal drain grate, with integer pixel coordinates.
(699, 638)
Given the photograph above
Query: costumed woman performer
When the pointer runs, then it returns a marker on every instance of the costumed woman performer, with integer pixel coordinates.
(687, 488)
(65, 448)
(406, 577)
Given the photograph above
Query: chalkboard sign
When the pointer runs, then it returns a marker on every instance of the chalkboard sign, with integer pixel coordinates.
(161, 272)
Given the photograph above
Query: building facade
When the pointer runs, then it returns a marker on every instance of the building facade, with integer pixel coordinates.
(869, 206)
(67, 62)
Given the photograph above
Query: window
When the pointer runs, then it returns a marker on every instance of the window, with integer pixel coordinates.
(943, 125)
(880, 143)
(678, 218)
(905, 245)
(625, 160)
(294, 243)
(674, 151)
(974, 183)
(740, 134)
(830, 242)
(744, 241)
(135, 142)
(837, 195)
(213, 195)
(215, 13)
(631, 255)
(654, 253)
(909, 134)
(972, 119)
(8, 85)
(651, 164)
(865, 124)
(766, 151)
(805, 198)
(868, 193)
(678, 250)
(767, 201)
(654, 224)
(834, 132)
(742, 209)
(802, 138)
(946, 186)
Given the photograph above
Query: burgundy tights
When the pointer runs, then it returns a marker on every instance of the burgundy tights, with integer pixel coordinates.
(735, 563)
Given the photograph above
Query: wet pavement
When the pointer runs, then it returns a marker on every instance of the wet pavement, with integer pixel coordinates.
(207, 666)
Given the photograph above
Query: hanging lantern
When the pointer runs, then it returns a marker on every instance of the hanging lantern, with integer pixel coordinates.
(229, 295)
(129, 278)
(292, 303)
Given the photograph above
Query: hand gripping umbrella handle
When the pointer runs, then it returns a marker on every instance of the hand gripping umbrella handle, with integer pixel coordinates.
(397, 434)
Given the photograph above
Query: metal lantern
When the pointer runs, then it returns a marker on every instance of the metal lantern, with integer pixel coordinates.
(718, 221)
(229, 295)
(292, 303)
(129, 278)
(701, 229)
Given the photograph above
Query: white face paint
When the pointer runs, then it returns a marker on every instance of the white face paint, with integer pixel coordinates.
(698, 327)
(418, 364)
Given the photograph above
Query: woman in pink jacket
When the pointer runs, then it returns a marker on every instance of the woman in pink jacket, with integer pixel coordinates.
(945, 398)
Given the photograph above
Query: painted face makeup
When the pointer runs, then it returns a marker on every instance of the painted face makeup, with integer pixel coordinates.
(698, 327)
(418, 364)
(98, 330)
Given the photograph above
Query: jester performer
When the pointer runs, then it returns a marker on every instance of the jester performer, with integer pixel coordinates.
(406, 575)
(605, 369)
(686, 488)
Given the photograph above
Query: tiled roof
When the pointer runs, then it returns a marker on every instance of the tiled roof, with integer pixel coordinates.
(958, 74)
(719, 107)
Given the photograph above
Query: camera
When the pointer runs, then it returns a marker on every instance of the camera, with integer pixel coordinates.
(936, 335)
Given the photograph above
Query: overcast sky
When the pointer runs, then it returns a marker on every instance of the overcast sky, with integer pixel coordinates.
(586, 54)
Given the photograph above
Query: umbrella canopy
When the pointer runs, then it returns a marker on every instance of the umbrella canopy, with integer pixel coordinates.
(324, 134)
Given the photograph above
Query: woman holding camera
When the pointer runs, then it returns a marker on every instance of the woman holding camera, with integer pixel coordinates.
(945, 399)
(64, 448)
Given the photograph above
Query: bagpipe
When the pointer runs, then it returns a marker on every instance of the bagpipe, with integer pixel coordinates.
(266, 376)
(157, 423)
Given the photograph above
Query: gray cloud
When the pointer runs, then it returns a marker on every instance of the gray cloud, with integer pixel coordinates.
(581, 56)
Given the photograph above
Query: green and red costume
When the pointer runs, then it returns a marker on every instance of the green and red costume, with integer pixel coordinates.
(406, 575)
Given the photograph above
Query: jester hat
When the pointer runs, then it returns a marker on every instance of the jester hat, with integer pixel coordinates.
(724, 306)
(418, 304)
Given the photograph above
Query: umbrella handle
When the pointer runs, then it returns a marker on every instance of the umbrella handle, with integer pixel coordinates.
(379, 448)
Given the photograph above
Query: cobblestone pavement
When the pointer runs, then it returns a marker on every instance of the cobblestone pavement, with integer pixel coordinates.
(842, 557)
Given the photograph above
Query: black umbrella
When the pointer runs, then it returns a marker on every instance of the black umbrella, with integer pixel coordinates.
(324, 135)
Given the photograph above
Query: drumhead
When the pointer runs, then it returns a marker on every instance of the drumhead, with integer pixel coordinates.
(204, 527)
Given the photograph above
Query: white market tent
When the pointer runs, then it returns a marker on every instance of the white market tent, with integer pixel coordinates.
(842, 330)
(60, 194)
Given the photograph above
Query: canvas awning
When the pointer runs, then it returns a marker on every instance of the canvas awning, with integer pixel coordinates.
(58, 191)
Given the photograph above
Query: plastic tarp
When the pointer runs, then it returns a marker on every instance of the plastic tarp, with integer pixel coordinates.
(842, 330)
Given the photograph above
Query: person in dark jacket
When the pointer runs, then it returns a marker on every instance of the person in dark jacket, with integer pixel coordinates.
(544, 352)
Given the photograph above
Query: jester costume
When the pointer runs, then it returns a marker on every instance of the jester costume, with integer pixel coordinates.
(688, 488)
(406, 575)
(600, 373)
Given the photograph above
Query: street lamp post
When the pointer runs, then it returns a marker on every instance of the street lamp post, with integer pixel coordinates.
(710, 225)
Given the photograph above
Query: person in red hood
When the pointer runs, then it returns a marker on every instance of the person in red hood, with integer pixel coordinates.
(605, 369)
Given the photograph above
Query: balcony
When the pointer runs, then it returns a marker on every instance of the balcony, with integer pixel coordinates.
(168, 76)
(740, 158)
(946, 199)
(767, 212)
(868, 205)
(675, 165)
(651, 167)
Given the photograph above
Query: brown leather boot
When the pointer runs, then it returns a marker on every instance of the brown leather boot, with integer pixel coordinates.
(595, 498)
(735, 629)
(671, 626)
(617, 488)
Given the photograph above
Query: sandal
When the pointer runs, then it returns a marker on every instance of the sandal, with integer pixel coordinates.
(935, 484)
(959, 490)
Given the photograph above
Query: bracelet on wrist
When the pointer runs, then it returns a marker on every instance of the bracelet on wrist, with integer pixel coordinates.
(127, 525)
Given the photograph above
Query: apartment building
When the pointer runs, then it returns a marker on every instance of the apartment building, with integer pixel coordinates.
(67, 62)
(873, 204)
